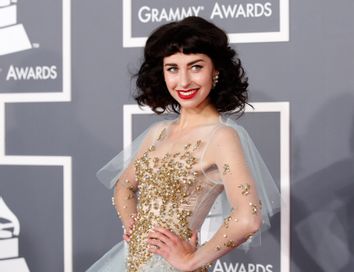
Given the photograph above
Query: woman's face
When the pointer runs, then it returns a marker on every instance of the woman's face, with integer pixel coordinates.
(189, 78)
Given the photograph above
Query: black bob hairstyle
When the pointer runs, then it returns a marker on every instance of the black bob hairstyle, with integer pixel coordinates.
(192, 35)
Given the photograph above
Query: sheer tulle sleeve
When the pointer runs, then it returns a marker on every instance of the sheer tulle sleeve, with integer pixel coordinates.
(112, 170)
(241, 174)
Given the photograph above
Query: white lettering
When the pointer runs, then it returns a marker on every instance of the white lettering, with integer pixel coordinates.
(240, 11)
(251, 267)
(31, 74)
(147, 14)
(11, 73)
(216, 12)
(260, 268)
(268, 10)
(241, 267)
(144, 17)
(250, 10)
(259, 10)
(21, 72)
(53, 70)
(231, 268)
(38, 72)
(154, 14)
(174, 14)
(218, 267)
(197, 9)
(229, 11)
(187, 12)
(35, 73)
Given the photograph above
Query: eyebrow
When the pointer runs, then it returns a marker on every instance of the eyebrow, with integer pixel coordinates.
(188, 64)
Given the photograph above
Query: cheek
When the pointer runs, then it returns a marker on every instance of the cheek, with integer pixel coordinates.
(170, 82)
(204, 80)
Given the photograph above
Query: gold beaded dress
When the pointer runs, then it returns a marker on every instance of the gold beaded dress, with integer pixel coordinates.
(179, 187)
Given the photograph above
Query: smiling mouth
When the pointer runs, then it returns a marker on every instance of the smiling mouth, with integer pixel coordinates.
(187, 94)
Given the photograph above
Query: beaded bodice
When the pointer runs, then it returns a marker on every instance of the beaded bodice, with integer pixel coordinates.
(172, 194)
(177, 179)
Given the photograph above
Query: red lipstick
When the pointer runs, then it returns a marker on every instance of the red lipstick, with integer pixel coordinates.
(187, 94)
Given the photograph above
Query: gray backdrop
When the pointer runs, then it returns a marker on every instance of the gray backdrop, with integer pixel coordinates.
(312, 71)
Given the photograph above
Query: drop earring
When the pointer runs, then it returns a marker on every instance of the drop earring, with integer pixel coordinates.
(215, 79)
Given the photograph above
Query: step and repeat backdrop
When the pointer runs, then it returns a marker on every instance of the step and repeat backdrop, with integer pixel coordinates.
(66, 108)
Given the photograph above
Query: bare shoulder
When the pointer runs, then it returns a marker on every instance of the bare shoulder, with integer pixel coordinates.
(225, 135)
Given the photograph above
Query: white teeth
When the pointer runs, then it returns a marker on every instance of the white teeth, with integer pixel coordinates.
(188, 93)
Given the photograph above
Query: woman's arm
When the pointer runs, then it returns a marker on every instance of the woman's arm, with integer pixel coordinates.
(245, 217)
(244, 220)
(125, 198)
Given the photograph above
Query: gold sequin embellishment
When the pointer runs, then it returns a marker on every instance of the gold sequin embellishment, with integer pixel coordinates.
(226, 221)
(245, 189)
(253, 208)
(226, 169)
(230, 244)
(164, 187)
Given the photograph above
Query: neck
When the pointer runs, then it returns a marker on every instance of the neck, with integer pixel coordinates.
(197, 116)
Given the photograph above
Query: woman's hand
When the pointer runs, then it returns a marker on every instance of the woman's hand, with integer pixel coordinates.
(128, 231)
(176, 251)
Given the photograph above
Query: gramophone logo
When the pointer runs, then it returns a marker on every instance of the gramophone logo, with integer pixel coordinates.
(9, 232)
(13, 36)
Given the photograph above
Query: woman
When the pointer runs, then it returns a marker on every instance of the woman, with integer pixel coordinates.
(165, 190)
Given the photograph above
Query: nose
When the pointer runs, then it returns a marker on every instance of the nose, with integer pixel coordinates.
(184, 78)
